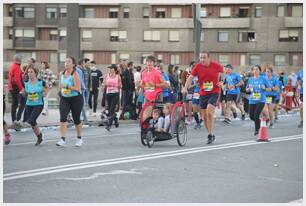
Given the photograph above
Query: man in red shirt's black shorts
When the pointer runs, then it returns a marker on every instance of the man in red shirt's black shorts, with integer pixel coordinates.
(208, 73)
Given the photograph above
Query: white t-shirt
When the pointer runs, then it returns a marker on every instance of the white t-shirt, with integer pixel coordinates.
(167, 123)
(157, 125)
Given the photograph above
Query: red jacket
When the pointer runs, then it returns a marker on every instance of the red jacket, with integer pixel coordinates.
(15, 75)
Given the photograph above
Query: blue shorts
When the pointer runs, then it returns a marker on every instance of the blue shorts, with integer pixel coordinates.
(196, 101)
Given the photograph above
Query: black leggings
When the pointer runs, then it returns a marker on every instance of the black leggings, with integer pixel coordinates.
(111, 99)
(94, 93)
(18, 101)
(31, 114)
(254, 112)
(75, 104)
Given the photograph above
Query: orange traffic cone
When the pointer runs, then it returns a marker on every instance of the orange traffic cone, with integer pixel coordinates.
(263, 131)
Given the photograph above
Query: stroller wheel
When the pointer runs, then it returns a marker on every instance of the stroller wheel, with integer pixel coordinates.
(150, 139)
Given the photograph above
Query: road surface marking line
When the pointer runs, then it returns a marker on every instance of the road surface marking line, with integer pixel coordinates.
(137, 156)
(139, 159)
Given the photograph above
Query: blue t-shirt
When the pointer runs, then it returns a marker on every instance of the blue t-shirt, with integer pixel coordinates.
(196, 91)
(34, 93)
(300, 79)
(68, 81)
(166, 91)
(273, 82)
(232, 79)
(280, 86)
(258, 93)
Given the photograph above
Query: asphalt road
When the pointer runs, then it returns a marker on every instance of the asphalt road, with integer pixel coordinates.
(115, 167)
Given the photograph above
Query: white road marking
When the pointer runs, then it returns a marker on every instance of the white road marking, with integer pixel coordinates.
(84, 165)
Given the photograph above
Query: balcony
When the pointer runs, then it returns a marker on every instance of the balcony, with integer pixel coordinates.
(7, 21)
(293, 22)
(105, 23)
(180, 23)
(23, 43)
(215, 23)
(7, 44)
(86, 45)
(47, 45)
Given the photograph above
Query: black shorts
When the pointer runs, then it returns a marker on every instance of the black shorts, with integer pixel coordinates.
(231, 97)
(75, 104)
(301, 97)
(273, 99)
(32, 113)
(208, 99)
(222, 97)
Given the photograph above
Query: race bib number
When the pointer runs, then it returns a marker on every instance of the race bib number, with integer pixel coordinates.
(268, 100)
(149, 89)
(33, 97)
(66, 91)
(208, 86)
(196, 96)
(256, 96)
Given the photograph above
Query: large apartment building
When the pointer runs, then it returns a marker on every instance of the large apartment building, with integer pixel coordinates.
(240, 34)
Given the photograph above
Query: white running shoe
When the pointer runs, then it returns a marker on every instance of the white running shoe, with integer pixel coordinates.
(78, 142)
(61, 143)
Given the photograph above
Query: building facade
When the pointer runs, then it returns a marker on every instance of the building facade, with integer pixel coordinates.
(239, 34)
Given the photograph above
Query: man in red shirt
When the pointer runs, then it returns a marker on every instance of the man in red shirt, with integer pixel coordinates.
(16, 88)
(209, 73)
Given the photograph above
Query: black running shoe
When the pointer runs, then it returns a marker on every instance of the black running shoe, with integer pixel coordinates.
(227, 121)
(234, 115)
(210, 138)
(256, 132)
(243, 117)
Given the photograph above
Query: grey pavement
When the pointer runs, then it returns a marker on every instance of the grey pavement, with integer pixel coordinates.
(115, 167)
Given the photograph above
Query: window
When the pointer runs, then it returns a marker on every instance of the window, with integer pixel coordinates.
(258, 11)
(124, 57)
(247, 36)
(225, 12)
(24, 12)
(53, 58)
(175, 59)
(113, 60)
(243, 12)
(151, 35)
(222, 36)
(254, 60)
(174, 36)
(63, 12)
(63, 34)
(27, 55)
(160, 13)
(86, 35)
(63, 56)
(223, 59)
(288, 35)
(242, 60)
(295, 60)
(126, 12)
(10, 33)
(89, 13)
(53, 34)
(30, 33)
(113, 12)
(202, 36)
(10, 11)
(279, 60)
(145, 12)
(118, 36)
(203, 12)
(176, 12)
(297, 11)
(280, 11)
(88, 55)
(51, 13)
(25, 33)
(160, 57)
(29, 12)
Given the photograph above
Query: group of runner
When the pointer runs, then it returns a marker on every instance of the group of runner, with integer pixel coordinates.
(208, 83)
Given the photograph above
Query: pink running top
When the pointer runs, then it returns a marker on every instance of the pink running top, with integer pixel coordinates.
(112, 84)
(153, 76)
